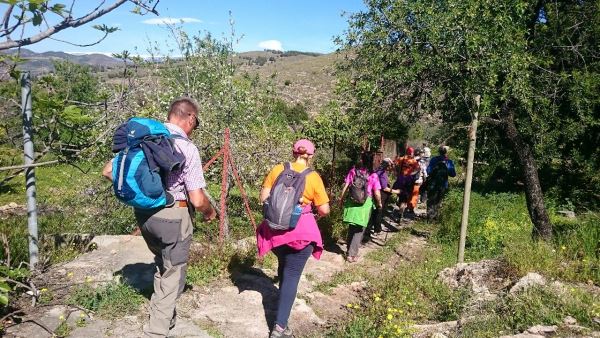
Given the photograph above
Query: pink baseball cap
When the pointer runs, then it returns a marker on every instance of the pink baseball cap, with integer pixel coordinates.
(304, 146)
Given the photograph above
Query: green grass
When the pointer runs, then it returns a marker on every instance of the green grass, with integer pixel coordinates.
(383, 254)
(63, 329)
(208, 265)
(210, 328)
(410, 294)
(110, 301)
(536, 306)
(68, 201)
(353, 274)
(499, 227)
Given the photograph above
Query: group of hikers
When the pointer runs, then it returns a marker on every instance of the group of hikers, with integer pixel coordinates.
(293, 197)
(419, 178)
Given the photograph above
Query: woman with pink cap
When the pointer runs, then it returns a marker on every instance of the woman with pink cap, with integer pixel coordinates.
(294, 246)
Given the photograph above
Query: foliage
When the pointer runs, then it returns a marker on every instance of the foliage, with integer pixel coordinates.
(10, 281)
(410, 293)
(535, 306)
(209, 264)
(574, 254)
(110, 301)
(528, 68)
(259, 122)
(499, 227)
(495, 220)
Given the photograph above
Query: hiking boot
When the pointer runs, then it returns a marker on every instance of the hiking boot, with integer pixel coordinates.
(278, 332)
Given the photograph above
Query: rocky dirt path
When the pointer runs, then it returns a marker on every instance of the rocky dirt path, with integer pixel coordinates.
(242, 305)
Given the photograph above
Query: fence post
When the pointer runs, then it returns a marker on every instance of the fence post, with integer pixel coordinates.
(223, 220)
(467, 194)
(29, 157)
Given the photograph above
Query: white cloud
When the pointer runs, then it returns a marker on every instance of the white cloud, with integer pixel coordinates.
(271, 44)
(170, 21)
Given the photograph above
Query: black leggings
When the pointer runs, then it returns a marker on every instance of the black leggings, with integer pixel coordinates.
(289, 270)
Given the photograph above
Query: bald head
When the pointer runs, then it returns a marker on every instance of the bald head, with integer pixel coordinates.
(182, 108)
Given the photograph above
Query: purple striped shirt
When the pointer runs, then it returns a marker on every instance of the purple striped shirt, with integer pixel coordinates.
(190, 175)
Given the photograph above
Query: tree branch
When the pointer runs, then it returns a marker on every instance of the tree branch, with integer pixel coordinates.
(72, 23)
(84, 45)
(491, 121)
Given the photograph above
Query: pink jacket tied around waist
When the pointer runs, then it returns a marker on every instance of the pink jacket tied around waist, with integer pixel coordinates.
(306, 232)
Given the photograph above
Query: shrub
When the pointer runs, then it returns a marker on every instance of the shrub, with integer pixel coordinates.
(494, 221)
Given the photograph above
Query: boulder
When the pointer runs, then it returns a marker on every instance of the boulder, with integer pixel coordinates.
(529, 280)
(483, 278)
(542, 329)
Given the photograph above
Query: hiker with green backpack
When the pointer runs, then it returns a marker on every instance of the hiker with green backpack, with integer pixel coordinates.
(436, 184)
(158, 171)
(361, 186)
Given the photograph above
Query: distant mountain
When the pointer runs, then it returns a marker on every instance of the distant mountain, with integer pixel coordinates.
(39, 63)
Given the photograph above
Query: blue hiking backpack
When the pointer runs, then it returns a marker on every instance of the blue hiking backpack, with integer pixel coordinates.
(145, 156)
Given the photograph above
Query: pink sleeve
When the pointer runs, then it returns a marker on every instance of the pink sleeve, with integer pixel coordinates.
(350, 176)
(374, 182)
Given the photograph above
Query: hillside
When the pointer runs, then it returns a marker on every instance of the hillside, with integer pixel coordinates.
(305, 78)
(300, 77)
(39, 63)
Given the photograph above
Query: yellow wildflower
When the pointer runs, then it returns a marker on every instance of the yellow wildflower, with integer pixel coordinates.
(389, 316)
(377, 299)
(61, 318)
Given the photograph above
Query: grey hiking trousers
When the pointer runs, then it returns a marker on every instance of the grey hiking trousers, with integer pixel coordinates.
(168, 234)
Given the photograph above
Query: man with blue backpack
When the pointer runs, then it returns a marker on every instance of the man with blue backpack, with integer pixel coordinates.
(436, 185)
(158, 171)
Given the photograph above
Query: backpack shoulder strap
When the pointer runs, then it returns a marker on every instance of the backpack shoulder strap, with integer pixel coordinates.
(306, 171)
(287, 166)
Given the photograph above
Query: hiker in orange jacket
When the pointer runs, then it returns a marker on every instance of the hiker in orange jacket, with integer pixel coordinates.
(407, 167)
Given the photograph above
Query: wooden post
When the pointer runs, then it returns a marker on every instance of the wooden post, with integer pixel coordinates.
(467, 194)
(223, 226)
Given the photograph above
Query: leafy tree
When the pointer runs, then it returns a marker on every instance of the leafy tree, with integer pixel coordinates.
(532, 64)
(259, 123)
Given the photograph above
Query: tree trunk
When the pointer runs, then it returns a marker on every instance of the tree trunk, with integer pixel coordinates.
(542, 228)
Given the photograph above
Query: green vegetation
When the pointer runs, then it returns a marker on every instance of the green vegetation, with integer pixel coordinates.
(109, 301)
(511, 61)
(498, 228)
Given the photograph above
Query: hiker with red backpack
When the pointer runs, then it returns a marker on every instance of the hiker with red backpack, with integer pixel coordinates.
(290, 229)
(361, 185)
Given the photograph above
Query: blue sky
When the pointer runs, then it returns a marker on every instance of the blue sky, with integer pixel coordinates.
(306, 25)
